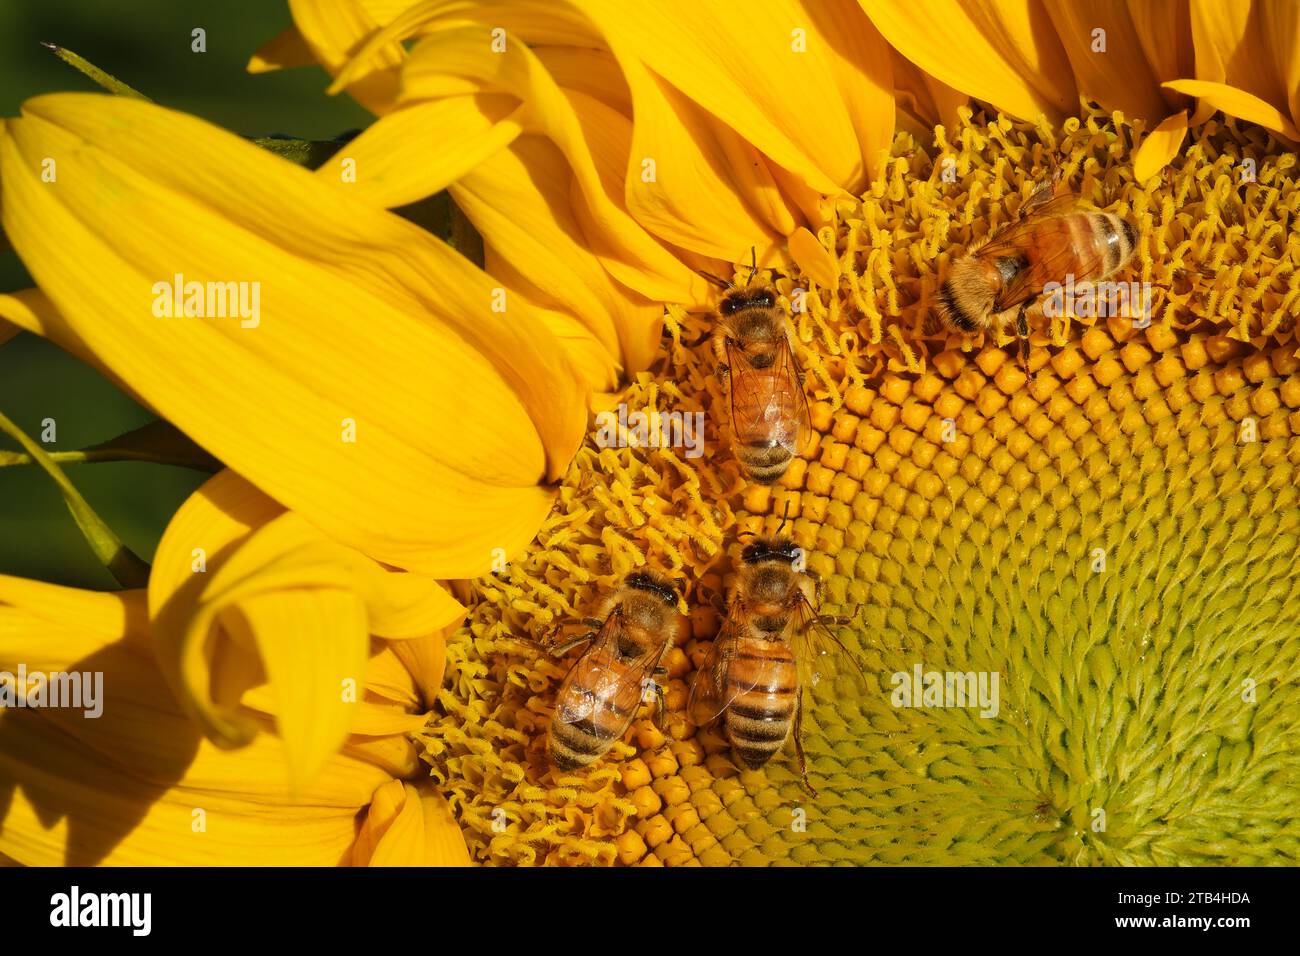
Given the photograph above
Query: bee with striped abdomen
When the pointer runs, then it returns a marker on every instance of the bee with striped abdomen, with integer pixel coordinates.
(762, 377)
(995, 283)
(774, 646)
(606, 685)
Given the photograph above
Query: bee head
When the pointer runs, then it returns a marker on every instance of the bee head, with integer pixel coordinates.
(771, 549)
(645, 581)
(733, 302)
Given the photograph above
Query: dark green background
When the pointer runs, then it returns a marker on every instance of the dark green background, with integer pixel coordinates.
(145, 43)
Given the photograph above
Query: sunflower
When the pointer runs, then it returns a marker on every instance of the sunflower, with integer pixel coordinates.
(1110, 537)
(1113, 538)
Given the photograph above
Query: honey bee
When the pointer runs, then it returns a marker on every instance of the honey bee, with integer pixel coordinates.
(997, 282)
(763, 379)
(606, 685)
(773, 647)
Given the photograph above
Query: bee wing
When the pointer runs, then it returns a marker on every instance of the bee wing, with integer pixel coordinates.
(771, 389)
(714, 689)
(1052, 245)
(592, 686)
(787, 358)
(820, 658)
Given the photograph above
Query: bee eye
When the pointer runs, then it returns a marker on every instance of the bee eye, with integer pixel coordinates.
(727, 307)
(764, 300)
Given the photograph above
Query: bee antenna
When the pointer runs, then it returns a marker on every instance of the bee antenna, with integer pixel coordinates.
(753, 263)
(720, 283)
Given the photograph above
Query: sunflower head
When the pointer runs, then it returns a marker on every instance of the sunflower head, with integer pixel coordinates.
(1098, 550)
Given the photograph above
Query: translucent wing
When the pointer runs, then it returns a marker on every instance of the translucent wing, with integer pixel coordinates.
(602, 683)
(772, 405)
(819, 656)
(715, 685)
(1048, 247)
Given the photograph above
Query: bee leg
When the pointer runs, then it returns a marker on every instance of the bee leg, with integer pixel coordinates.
(720, 354)
(798, 746)
(838, 620)
(558, 646)
(794, 357)
(661, 702)
(715, 600)
(1022, 330)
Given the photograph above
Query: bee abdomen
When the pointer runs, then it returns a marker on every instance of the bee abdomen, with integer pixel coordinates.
(578, 743)
(1117, 238)
(757, 729)
(764, 463)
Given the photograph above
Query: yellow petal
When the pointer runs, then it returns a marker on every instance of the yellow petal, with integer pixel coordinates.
(367, 323)
(1159, 147)
(518, 200)
(386, 176)
(450, 61)
(267, 599)
(31, 310)
(1118, 75)
(389, 680)
(593, 362)
(678, 184)
(1164, 29)
(1233, 47)
(812, 89)
(7, 331)
(74, 623)
(138, 785)
(334, 29)
(1240, 104)
(426, 660)
(1280, 25)
(813, 259)
(285, 50)
(1007, 54)
(412, 828)
(931, 101)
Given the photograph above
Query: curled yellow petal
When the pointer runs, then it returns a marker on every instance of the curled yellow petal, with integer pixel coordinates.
(410, 155)
(334, 29)
(137, 785)
(1159, 147)
(244, 593)
(813, 258)
(410, 824)
(1239, 103)
(285, 50)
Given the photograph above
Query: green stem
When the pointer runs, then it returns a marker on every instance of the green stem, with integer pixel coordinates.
(106, 80)
(123, 563)
(160, 443)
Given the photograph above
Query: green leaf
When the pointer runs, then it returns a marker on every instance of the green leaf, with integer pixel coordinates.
(159, 442)
(311, 153)
(123, 563)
